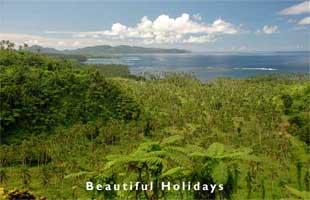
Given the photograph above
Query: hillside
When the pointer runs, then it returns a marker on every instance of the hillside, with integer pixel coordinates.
(63, 124)
(98, 51)
(44, 50)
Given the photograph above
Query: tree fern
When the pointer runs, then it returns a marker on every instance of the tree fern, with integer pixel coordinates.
(220, 173)
(215, 150)
(172, 139)
(174, 172)
(79, 174)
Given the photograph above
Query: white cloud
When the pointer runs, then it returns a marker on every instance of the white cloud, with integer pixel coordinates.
(221, 26)
(297, 9)
(164, 30)
(269, 29)
(240, 48)
(49, 41)
(199, 39)
(61, 43)
(76, 43)
(304, 21)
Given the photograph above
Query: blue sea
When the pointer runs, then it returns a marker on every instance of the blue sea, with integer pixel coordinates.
(207, 66)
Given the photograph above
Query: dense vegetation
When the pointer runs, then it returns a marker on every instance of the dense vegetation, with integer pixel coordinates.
(63, 124)
(109, 70)
(79, 58)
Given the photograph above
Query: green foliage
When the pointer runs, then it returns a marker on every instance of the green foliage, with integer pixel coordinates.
(109, 70)
(166, 159)
(3, 175)
(43, 93)
(79, 58)
(45, 176)
(297, 193)
(78, 175)
(307, 180)
(63, 123)
(220, 173)
(216, 150)
(25, 176)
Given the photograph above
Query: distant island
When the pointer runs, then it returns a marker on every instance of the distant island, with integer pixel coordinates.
(103, 50)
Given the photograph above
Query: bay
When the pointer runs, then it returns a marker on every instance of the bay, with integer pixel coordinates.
(207, 66)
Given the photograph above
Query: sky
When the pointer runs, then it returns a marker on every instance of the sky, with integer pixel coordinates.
(196, 25)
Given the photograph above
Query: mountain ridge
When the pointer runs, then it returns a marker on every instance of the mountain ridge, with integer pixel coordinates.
(102, 50)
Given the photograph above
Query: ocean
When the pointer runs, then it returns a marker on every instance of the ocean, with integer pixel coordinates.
(207, 66)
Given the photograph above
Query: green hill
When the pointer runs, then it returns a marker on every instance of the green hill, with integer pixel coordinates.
(64, 124)
(44, 50)
(97, 51)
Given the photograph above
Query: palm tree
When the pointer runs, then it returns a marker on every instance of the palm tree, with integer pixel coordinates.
(25, 176)
(25, 46)
(2, 44)
(45, 176)
(3, 175)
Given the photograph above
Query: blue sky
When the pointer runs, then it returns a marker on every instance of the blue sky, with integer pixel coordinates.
(244, 25)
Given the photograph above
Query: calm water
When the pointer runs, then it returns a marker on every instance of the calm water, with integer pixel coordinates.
(207, 66)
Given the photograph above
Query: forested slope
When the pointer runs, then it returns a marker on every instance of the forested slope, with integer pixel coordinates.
(63, 124)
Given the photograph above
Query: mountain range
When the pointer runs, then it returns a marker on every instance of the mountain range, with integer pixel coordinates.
(102, 50)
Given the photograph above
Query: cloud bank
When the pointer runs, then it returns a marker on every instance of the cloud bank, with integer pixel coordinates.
(298, 9)
(304, 21)
(59, 43)
(269, 29)
(165, 30)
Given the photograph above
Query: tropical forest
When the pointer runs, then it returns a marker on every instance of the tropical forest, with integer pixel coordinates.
(65, 123)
